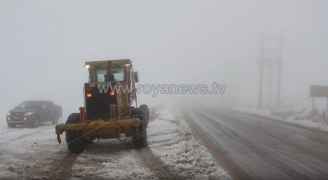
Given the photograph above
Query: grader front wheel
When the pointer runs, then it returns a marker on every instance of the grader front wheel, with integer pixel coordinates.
(140, 137)
(145, 111)
(75, 143)
(140, 134)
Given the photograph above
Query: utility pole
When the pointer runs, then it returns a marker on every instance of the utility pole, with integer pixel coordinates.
(270, 72)
(280, 69)
(261, 71)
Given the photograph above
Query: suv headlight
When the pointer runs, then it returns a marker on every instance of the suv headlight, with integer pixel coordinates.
(28, 113)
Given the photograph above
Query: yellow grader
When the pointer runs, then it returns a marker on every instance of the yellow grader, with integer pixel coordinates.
(110, 107)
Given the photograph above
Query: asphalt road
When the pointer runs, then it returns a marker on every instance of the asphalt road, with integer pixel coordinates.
(257, 148)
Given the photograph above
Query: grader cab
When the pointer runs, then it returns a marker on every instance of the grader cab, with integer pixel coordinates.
(110, 107)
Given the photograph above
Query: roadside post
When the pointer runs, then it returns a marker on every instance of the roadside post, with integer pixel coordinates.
(318, 91)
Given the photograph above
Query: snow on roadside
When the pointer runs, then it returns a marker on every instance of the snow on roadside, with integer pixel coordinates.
(21, 148)
(173, 153)
(120, 164)
(180, 151)
(311, 123)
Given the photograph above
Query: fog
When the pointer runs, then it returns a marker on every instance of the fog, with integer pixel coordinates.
(45, 43)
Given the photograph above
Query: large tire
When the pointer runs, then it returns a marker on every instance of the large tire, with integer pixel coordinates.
(144, 108)
(140, 135)
(75, 143)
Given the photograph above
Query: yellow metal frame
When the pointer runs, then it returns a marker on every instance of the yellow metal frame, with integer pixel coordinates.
(93, 127)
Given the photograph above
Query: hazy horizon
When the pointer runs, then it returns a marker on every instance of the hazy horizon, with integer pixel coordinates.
(45, 43)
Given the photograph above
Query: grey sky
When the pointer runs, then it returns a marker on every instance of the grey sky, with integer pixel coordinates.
(43, 43)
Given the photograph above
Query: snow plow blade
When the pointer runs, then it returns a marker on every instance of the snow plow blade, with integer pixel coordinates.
(100, 128)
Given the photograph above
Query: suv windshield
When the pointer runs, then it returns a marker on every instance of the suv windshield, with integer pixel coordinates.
(30, 105)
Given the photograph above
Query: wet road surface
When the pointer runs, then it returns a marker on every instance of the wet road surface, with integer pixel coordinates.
(258, 148)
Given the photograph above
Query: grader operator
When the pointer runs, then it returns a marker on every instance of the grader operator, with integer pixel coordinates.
(110, 107)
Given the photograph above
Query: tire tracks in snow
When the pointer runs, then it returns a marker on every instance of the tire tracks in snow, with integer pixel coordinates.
(156, 165)
(62, 169)
(154, 162)
(55, 167)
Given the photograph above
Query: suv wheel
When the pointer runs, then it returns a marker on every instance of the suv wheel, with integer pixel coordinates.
(34, 123)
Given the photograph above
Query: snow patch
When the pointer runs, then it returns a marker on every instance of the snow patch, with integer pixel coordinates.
(118, 166)
(302, 118)
(186, 156)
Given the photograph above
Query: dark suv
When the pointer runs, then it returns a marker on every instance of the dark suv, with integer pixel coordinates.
(34, 113)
